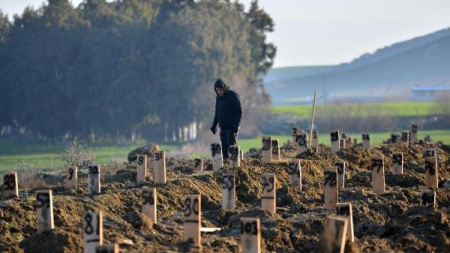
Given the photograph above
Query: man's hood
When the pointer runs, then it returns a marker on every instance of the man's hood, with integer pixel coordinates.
(220, 84)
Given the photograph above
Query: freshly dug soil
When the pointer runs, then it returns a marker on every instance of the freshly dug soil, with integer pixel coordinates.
(388, 222)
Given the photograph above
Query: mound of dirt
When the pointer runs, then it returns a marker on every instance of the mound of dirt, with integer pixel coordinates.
(393, 221)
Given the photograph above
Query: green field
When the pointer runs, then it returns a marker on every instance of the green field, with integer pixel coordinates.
(17, 156)
(397, 109)
(375, 138)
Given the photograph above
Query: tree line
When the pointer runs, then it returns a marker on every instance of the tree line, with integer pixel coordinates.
(129, 67)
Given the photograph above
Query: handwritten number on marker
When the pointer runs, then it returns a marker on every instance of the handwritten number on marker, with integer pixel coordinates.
(147, 198)
(397, 159)
(266, 144)
(141, 160)
(249, 228)
(343, 210)
(429, 166)
(330, 177)
(267, 183)
(340, 167)
(228, 182)
(93, 169)
(334, 136)
(188, 209)
(9, 182)
(71, 173)
(376, 163)
(293, 169)
(43, 200)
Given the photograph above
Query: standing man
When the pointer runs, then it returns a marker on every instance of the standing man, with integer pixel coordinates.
(228, 115)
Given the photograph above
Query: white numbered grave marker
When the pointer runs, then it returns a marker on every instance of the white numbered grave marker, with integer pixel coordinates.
(198, 164)
(160, 167)
(94, 179)
(276, 149)
(295, 131)
(241, 154)
(397, 163)
(110, 248)
(345, 210)
(428, 198)
(71, 177)
(149, 203)
(217, 158)
(377, 166)
(302, 142)
(413, 133)
(192, 218)
(335, 145)
(235, 161)
(141, 167)
(295, 173)
(11, 185)
(431, 172)
(341, 172)
(315, 141)
(93, 231)
(330, 188)
(394, 138)
(44, 210)
(250, 235)
(366, 141)
(228, 191)
(269, 197)
(431, 152)
(335, 234)
(266, 151)
(405, 138)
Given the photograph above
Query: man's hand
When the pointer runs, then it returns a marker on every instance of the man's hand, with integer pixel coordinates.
(213, 129)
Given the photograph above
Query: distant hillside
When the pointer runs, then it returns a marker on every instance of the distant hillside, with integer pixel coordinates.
(391, 71)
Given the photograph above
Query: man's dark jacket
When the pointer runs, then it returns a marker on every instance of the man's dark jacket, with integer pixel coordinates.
(228, 109)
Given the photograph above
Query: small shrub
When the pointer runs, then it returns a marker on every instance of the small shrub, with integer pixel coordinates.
(78, 155)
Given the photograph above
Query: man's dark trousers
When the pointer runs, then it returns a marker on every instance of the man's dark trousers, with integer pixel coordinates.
(228, 138)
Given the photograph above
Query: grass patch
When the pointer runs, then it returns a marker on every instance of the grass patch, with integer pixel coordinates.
(393, 109)
(16, 155)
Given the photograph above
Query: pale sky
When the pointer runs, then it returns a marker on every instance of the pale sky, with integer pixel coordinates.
(323, 32)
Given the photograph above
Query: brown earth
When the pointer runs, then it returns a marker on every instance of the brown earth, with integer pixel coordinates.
(388, 222)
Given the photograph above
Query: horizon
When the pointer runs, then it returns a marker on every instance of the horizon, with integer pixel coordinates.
(316, 33)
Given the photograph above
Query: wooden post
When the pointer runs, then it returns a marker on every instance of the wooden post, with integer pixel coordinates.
(397, 163)
(414, 133)
(217, 157)
(431, 152)
(334, 235)
(275, 150)
(11, 185)
(149, 203)
(377, 165)
(431, 172)
(269, 197)
(315, 141)
(198, 164)
(302, 142)
(295, 131)
(266, 152)
(342, 143)
(110, 248)
(94, 179)
(160, 167)
(71, 177)
(235, 161)
(93, 231)
(241, 154)
(330, 188)
(405, 138)
(141, 167)
(250, 235)
(340, 165)
(345, 210)
(44, 210)
(428, 197)
(312, 118)
(295, 173)
(335, 147)
(192, 218)
(366, 141)
(228, 191)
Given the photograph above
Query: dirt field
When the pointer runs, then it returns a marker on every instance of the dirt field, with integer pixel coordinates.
(388, 222)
